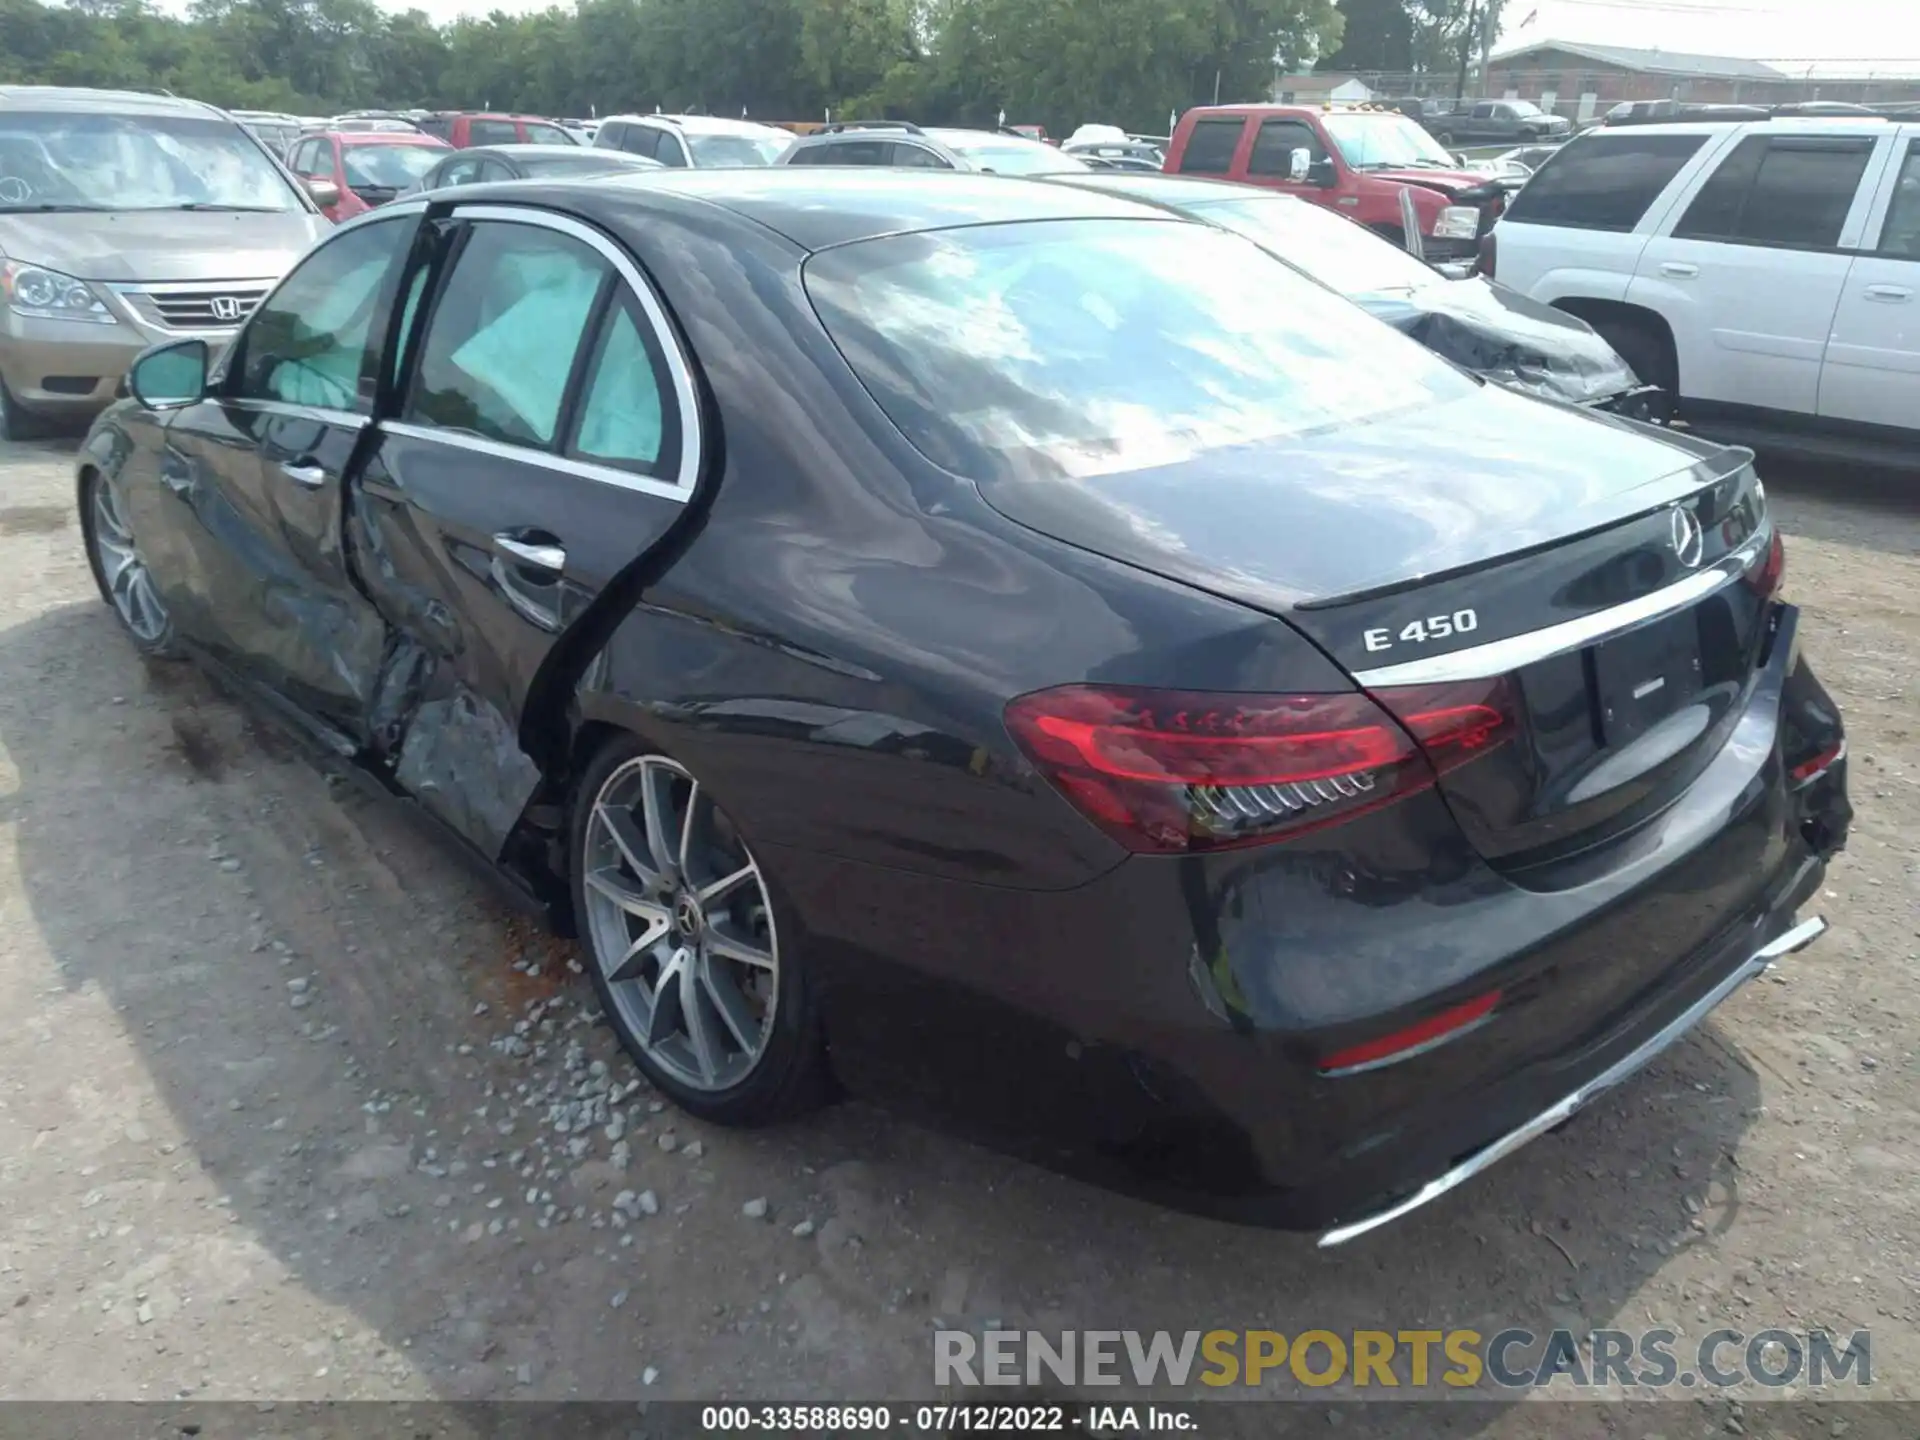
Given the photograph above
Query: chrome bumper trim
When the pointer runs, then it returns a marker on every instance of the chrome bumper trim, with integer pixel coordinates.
(1763, 959)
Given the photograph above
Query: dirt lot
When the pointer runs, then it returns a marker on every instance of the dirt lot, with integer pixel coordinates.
(290, 1108)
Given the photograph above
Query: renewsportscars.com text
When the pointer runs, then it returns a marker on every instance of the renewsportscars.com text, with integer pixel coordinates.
(1405, 1359)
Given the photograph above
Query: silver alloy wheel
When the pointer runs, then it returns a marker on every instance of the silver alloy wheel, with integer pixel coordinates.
(681, 924)
(128, 581)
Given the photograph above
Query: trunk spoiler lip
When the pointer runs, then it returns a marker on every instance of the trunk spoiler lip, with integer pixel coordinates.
(1701, 475)
(1501, 657)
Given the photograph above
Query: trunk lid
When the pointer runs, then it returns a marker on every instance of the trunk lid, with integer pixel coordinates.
(1494, 536)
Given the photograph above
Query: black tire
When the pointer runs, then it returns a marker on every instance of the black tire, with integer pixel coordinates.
(790, 1076)
(1445, 137)
(1645, 349)
(160, 644)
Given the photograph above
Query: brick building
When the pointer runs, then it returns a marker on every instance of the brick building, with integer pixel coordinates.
(1583, 81)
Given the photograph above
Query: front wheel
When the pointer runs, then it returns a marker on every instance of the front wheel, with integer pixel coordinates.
(121, 571)
(695, 961)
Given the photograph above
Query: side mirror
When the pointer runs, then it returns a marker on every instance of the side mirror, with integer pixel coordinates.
(1299, 163)
(170, 376)
(325, 193)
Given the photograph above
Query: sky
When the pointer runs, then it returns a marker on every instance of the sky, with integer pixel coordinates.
(1851, 36)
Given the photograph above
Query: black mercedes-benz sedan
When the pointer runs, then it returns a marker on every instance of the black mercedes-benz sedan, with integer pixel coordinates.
(1010, 652)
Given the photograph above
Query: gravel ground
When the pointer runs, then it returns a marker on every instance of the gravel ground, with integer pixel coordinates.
(291, 1109)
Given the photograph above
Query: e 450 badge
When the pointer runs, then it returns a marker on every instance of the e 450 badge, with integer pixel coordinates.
(1422, 632)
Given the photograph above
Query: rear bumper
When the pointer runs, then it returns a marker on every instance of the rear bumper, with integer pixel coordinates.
(1163, 1029)
(1788, 942)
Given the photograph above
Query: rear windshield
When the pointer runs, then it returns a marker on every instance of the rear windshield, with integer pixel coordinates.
(69, 160)
(1329, 247)
(1094, 347)
(734, 152)
(392, 167)
(587, 162)
(1004, 155)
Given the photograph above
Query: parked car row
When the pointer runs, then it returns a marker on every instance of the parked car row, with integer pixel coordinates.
(1008, 649)
(350, 171)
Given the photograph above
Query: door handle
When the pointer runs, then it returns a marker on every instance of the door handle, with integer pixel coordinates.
(311, 476)
(1680, 270)
(532, 552)
(1891, 294)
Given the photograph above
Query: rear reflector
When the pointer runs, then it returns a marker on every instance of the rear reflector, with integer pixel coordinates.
(1819, 764)
(1171, 771)
(1414, 1040)
(1770, 573)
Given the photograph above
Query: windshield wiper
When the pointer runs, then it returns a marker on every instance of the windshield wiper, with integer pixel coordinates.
(216, 205)
(46, 207)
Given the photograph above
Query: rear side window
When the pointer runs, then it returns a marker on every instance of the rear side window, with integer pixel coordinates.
(918, 157)
(1603, 182)
(1210, 147)
(539, 134)
(438, 126)
(492, 132)
(640, 140)
(609, 136)
(502, 337)
(1788, 191)
(622, 421)
(851, 152)
(1900, 236)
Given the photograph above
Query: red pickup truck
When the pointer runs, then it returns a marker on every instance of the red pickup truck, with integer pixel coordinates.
(1355, 159)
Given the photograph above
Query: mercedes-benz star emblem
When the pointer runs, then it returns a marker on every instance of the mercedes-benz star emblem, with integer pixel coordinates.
(1688, 541)
(224, 307)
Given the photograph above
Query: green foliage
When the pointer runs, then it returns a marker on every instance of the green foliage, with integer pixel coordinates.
(1056, 63)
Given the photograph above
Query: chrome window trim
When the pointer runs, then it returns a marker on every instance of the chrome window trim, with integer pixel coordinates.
(345, 419)
(545, 459)
(679, 365)
(1501, 657)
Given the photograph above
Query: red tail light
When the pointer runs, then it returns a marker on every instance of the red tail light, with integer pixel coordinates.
(1453, 723)
(1768, 576)
(1174, 770)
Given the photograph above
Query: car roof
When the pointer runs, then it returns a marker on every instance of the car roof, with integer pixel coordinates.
(78, 98)
(949, 133)
(1164, 189)
(706, 124)
(1779, 124)
(818, 208)
(385, 137)
(531, 151)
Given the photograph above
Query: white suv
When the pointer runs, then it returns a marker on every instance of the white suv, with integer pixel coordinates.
(1765, 272)
(699, 142)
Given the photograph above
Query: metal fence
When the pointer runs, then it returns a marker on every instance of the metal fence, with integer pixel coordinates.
(1584, 95)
